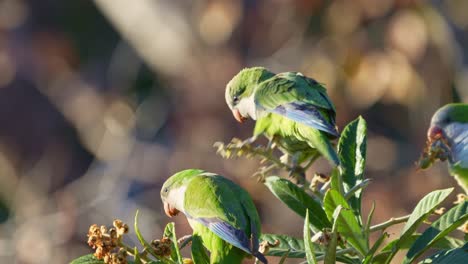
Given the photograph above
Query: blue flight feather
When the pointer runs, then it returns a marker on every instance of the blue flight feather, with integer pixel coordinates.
(306, 114)
(227, 232)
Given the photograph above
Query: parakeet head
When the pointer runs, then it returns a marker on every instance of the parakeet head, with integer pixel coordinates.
(447, 115)
(447, 124)
(173, 190)
(239, 91)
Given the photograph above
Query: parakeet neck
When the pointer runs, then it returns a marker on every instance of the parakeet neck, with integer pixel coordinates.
(458, 136)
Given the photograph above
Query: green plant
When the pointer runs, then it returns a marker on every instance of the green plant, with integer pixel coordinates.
(334, 228)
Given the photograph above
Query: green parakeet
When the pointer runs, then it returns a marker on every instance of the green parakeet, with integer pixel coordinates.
(447, 139)
(288, 105)
(219, 211)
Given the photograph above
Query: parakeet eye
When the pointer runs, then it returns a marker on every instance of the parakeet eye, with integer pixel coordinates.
(235, 99)
(165, 190)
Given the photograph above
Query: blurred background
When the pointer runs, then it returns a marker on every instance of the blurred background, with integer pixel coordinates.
(101, 101)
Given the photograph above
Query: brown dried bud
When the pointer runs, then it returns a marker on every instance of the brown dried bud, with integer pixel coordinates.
(121, 227)
(162, 247)
(117, 223)
(99, 253)
(440, 211)
(464, 228)
(322, 238)
(322, 177)
(265, 246)
(461, 197)
(112, 232)
(318, 178)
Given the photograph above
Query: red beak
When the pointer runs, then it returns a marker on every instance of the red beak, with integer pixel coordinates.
(169, 210)
(237, 115)
(435, 133)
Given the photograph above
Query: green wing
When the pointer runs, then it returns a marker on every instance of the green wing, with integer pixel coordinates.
(224, 208)
(296, 97)
(291, 87)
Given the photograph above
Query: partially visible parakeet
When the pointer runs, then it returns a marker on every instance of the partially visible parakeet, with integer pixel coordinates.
(447, 139)
(288, 105)
(219, 211)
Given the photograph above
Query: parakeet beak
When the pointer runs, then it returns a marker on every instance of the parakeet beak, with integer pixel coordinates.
(169, 210)
(437, 148)
(435, 133)
(237, 115)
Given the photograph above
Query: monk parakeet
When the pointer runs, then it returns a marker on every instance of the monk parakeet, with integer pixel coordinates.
(447, 139)
(287, 105)
(219, 211)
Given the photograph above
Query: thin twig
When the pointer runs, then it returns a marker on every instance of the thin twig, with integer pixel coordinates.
(325, 187)
(130, 251)
(183, 241)
(356, 188)
(390, 222)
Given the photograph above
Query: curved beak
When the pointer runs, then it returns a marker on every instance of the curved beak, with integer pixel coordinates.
(435, 133)
(437, 148)
(169, 210)
(237, 115)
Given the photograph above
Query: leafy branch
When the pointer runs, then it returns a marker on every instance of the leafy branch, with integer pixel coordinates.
(334, 229)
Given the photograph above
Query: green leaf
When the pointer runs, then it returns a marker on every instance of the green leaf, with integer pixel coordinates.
(298, 200)
(352, 154)
(348, 260)
(443, 243)
(346, 222)
(448, 222)
(452, 256)
(87, 259)
(199, 255)
(423, 209)
(310, 254)
(169, 232)
(145, 244)
(294, 246)
(334, 179)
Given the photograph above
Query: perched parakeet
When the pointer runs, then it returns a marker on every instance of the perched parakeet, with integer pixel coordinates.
(288, 105)
(219, 211)
(447, 139)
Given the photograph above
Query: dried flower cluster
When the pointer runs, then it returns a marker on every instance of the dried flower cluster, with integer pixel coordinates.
(267, 156)
(162, 247)
(105, 242)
